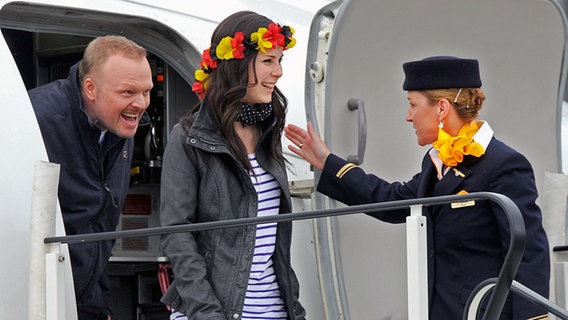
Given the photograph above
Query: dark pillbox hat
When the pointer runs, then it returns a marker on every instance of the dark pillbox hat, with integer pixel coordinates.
(441, 72)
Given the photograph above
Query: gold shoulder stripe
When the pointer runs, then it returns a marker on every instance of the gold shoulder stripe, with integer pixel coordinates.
(344, 170)
(541, 317)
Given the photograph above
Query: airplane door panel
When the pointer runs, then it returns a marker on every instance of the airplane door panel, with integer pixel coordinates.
(520, 46)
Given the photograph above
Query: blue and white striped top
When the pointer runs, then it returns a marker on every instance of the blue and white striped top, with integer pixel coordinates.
(263, 300)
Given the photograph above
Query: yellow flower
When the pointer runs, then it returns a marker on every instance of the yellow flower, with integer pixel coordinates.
(292, 39)
(261, 43)
(291, 44)
(453, 149)
(200, 75)
(224, 50)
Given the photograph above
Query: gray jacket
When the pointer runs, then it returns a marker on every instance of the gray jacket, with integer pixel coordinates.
(202, 181)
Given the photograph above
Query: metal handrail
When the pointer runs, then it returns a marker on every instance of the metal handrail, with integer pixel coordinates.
(482, 289)
(498, 296)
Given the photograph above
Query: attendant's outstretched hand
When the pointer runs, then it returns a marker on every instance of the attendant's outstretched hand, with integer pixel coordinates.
(307, 144)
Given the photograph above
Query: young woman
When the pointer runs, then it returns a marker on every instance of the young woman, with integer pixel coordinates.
(468, 243)
(224, 161)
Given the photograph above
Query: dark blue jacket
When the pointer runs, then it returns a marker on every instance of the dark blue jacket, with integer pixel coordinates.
(93, 183)
(466, 245)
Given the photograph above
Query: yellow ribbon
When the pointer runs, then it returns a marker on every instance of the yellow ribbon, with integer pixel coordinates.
(452, 149)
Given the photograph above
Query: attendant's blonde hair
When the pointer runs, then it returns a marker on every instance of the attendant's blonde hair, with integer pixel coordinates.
(466, 101)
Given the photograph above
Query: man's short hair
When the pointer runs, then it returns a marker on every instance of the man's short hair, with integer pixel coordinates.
(99, 49)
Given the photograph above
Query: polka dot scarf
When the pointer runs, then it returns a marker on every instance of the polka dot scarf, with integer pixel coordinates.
(254, 114)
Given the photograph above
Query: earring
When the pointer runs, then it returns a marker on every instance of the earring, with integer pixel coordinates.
(441, 124)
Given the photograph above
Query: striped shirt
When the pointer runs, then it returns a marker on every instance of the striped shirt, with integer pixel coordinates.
(263, 300)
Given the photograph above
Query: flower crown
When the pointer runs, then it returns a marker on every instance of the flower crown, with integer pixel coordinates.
(238, 47)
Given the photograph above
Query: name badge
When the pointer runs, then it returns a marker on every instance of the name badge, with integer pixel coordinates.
(463, 204)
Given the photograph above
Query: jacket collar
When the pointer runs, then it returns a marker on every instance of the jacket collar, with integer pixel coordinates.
(207, 132)
(453, 179)
(80, 117)
(75, 94)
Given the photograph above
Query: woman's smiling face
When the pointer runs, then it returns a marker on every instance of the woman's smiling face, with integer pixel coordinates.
(268, 70)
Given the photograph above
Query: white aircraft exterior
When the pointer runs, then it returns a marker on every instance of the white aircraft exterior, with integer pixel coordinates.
(349, 267)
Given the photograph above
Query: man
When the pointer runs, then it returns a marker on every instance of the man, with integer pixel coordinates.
(88, 121)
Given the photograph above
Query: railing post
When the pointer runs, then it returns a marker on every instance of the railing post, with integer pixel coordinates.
(417, 264)
(55, 284)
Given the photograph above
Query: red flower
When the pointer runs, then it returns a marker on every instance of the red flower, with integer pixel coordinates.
(206, 61)
(237, 44)
(198, 88)
(275, 34)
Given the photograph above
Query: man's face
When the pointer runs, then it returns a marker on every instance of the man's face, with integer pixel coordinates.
(118, 94)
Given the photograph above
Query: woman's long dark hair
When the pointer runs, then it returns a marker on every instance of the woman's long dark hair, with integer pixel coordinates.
(227, 85)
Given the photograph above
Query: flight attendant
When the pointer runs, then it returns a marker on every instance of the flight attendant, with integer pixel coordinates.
(468, 243)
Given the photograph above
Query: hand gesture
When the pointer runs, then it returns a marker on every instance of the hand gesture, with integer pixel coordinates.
(307, 144)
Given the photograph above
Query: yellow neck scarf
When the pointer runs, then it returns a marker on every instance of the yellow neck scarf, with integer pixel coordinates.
(452, 149)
